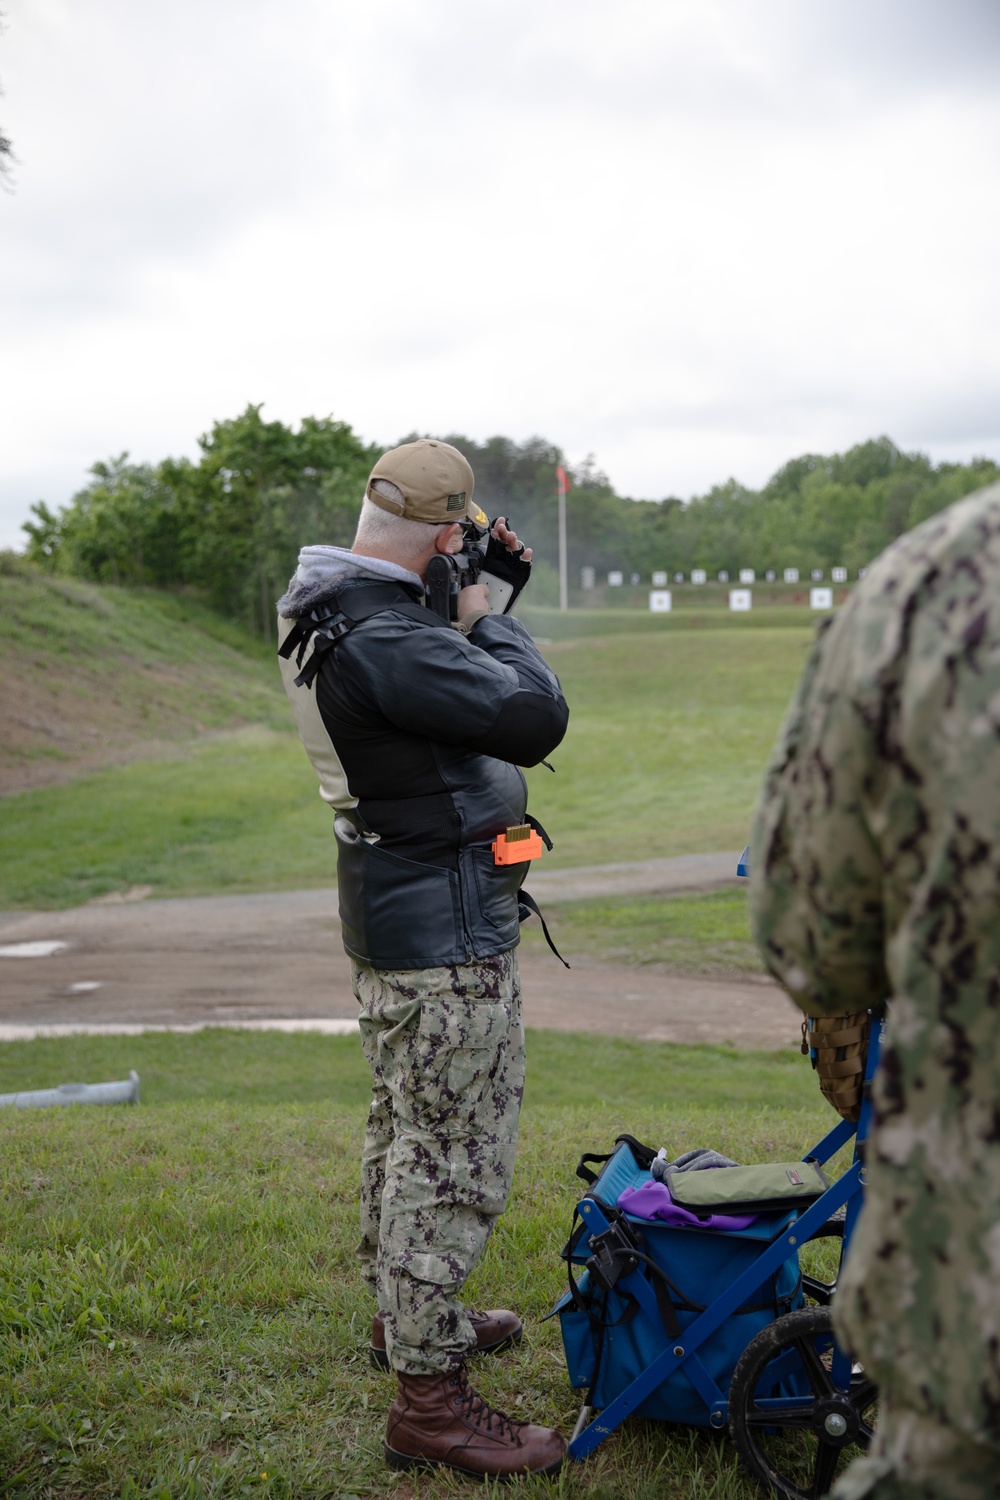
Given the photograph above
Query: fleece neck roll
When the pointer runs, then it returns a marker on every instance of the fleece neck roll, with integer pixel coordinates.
(323, 570)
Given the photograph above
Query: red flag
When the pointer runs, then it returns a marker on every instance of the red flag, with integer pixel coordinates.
(562, 483)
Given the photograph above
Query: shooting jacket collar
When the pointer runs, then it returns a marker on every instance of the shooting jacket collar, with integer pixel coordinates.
(323, 570)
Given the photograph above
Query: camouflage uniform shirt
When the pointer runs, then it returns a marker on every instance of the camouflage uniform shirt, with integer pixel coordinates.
(876, 875)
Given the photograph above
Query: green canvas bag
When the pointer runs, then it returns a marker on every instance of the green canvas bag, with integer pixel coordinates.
(748, 1190)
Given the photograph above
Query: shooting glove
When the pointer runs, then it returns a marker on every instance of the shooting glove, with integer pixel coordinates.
(509, 567)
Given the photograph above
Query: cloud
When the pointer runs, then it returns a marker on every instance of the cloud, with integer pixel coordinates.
(692, 238)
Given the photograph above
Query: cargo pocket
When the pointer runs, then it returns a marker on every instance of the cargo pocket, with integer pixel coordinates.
(460, 1044)
(461, 1048)
(445, 1271)
(396, 913)
(489, 893)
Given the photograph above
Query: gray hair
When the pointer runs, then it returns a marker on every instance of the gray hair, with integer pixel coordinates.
(386, 531)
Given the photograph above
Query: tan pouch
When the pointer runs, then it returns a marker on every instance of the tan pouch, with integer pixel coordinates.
(838, 1046)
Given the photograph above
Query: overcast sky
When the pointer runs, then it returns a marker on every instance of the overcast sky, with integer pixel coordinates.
(693, 237)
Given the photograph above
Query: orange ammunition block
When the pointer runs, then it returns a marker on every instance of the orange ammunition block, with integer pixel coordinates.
(517, 845)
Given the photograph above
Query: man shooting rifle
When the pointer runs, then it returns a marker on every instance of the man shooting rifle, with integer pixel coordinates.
(416, 720)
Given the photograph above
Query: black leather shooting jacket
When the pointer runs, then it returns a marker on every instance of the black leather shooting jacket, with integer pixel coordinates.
(430, 727)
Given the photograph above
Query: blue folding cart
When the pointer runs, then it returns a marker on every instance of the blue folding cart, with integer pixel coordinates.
(794, 1404)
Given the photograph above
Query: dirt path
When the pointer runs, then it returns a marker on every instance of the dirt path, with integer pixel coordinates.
(258, 958)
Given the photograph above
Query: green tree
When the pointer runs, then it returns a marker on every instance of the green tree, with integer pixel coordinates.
(259, 491)
(229, 525)
(815, 511)
(120, 528)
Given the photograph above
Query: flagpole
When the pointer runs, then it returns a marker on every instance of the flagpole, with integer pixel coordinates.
(561, 487)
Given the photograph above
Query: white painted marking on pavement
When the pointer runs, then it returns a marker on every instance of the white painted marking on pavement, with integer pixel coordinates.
(326, 1027)
(32, 950)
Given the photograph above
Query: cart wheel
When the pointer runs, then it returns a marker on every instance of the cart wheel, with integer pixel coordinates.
(793, 1426)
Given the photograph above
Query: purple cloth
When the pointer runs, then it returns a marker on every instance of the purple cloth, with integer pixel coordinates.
(653, 1201)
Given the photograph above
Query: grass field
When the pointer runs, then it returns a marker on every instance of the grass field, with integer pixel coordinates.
(179, 1316)
(693, 609)
(241, 814)
(703, 934)
(669, 733)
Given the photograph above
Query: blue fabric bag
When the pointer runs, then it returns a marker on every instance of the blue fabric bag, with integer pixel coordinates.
(609, 1342)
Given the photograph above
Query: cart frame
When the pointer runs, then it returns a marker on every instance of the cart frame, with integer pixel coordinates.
(812, 1223)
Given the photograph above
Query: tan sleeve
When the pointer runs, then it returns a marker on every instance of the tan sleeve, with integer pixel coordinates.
(466, 624)
(319, 747)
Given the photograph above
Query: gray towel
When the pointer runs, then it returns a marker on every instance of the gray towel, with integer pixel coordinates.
(691, 1161)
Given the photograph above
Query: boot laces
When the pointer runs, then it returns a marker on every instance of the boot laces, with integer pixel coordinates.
(480, 1411)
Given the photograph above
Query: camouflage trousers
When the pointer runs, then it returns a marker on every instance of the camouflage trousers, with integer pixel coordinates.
(446, 1049)
(914, 1457)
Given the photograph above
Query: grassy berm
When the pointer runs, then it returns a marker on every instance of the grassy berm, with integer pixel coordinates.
(180, 1318)
(93, 676)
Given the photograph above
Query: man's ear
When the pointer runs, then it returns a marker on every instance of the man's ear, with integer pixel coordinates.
(449, 539)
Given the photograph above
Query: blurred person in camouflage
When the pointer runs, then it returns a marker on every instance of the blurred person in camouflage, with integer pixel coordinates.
(876, 875)
(416, 729)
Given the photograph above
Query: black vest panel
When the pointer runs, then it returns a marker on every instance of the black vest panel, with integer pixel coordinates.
(409, 707)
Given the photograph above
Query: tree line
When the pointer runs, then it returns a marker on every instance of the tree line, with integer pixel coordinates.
(229, 525)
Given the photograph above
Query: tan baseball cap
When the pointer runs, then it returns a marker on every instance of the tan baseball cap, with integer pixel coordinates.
(435, 479)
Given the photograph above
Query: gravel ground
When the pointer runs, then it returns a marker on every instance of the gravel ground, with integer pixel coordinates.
(227, 960)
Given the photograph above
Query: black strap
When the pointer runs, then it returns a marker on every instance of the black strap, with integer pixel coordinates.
(329, 622)
(584, 1172)
(594, 1302)
(660, 1277)
(587, 1301)
(664, 1303)
(368, 599)
(294, 637)
(576, 1234)
(528, 906)
(324, 638)
(598, 1325)
(297, 636)
(662, 1288)
(362, 600)
(539, 830)
(644, 1155)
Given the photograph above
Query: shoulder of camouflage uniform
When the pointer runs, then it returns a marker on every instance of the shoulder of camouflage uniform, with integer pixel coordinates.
(947, 569)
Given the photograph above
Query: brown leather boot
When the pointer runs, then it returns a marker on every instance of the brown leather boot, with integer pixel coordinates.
(439, 1420)
(495, 1330)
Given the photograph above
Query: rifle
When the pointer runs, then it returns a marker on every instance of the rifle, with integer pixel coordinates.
(482, 560)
